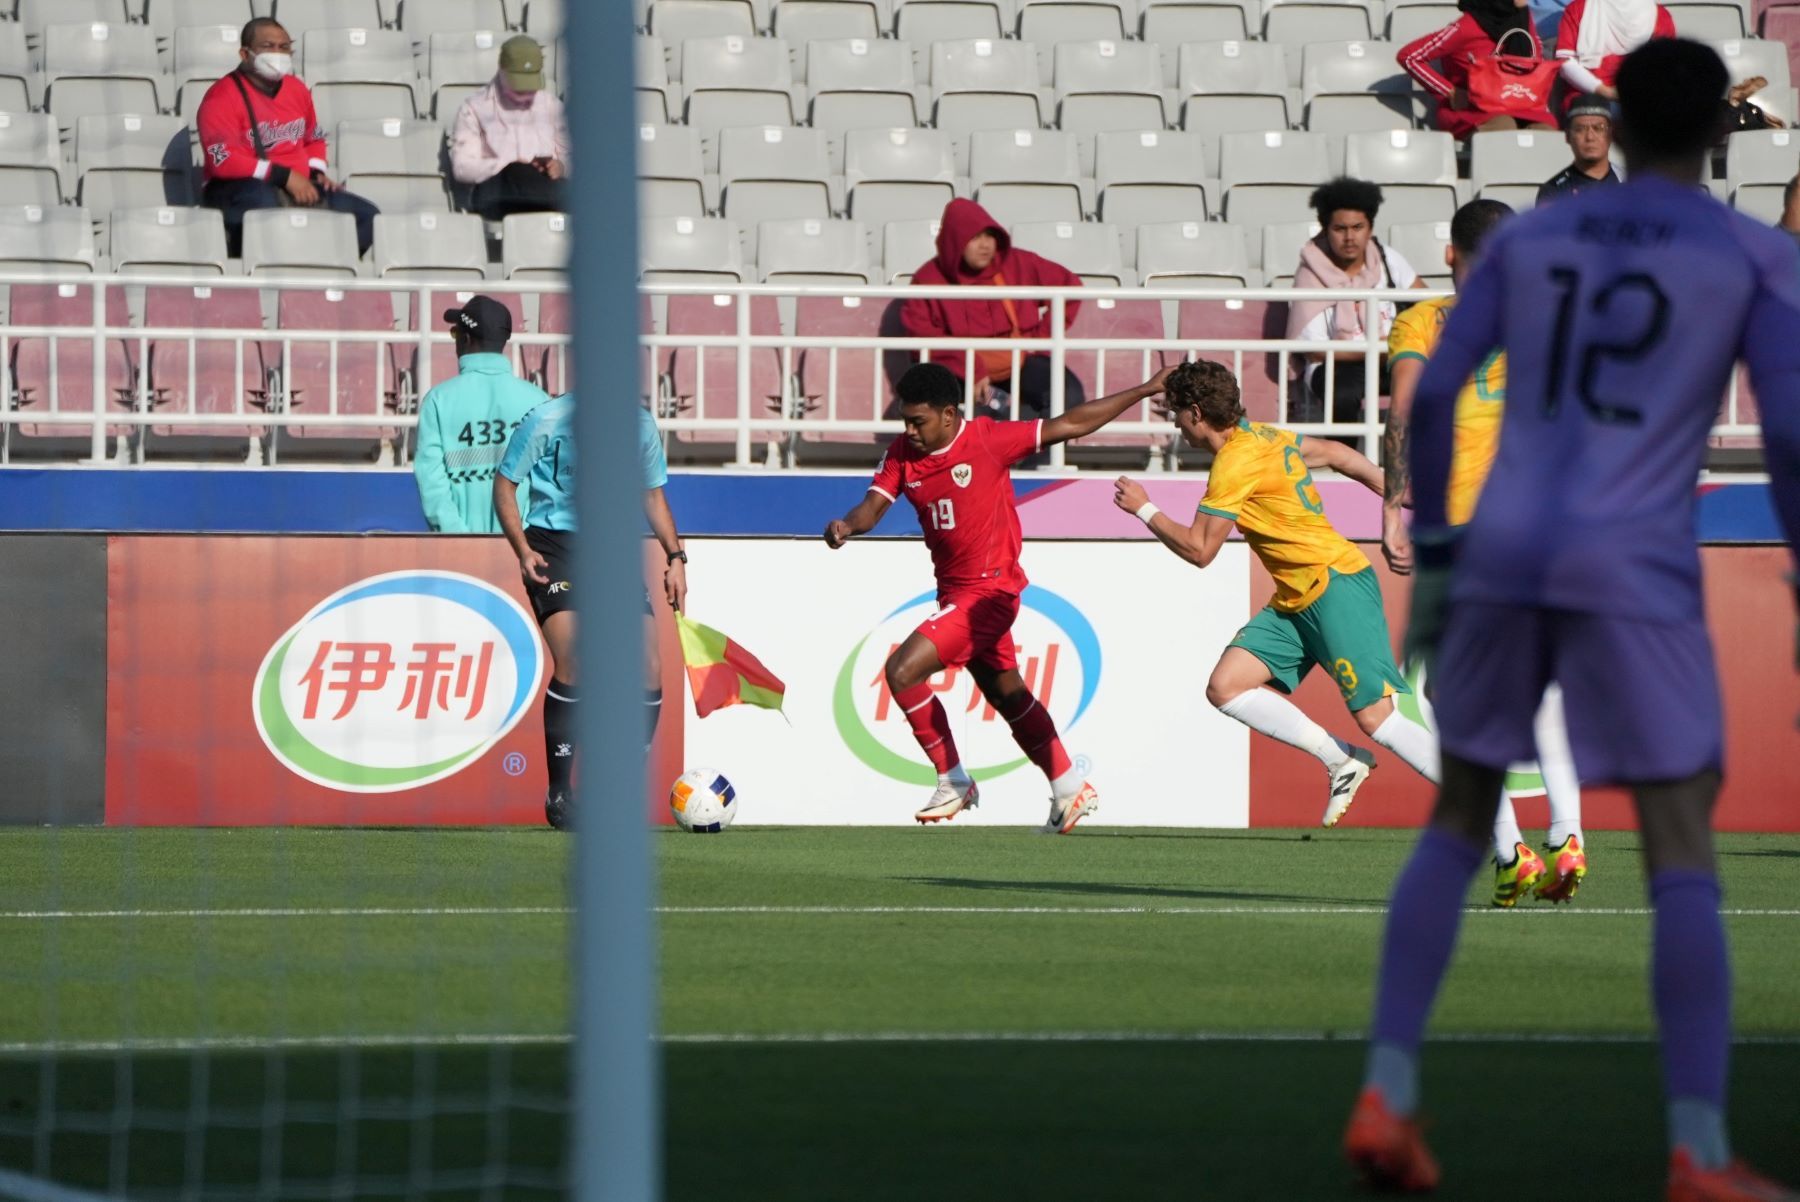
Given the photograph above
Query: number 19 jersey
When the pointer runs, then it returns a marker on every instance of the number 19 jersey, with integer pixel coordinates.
(1621, 311)
(964, 497)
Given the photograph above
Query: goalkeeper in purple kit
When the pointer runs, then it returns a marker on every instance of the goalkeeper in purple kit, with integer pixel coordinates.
(1622, 312)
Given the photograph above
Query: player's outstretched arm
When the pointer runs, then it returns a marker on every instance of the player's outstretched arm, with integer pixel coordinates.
(512, 524)
(1345, 461)
(662, 525)
(1198, 544)
(1083, 420)
(860, 520)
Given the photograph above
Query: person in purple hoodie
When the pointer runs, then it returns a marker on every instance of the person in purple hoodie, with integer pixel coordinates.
(1622, 312)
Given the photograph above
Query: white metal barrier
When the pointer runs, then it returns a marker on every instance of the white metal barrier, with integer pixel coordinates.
(264, 353)
(405, 374)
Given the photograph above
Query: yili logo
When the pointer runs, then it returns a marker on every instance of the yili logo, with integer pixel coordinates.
(1059, 657)
(397, 680)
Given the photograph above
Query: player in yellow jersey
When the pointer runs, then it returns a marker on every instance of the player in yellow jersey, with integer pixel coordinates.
(1518, 870)
(1327, 604)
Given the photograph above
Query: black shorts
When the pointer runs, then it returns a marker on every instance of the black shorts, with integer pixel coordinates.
(558, 549)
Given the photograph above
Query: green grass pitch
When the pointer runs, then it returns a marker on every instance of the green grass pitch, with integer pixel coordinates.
(850, 1014)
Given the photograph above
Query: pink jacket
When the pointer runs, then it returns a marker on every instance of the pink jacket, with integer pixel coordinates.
(489, 135)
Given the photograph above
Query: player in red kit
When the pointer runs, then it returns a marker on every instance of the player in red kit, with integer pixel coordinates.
(957, 474)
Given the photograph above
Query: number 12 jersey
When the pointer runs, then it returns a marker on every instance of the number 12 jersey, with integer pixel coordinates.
(964, 497)
(1621, 311)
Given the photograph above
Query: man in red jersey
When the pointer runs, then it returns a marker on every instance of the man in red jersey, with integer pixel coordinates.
(957, 474)
(261, 140)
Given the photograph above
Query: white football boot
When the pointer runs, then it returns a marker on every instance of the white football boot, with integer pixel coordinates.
(1348, 778)
(949, 801)
(1065, 814)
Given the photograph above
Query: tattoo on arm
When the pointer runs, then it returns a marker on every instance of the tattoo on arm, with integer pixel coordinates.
(1395, 449)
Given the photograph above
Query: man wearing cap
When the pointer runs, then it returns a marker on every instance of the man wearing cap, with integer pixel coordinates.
(464, 423)
(1589, 126)
(511, 142)
(261, 143)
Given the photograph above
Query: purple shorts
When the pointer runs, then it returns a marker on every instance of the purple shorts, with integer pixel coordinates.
(1641, 698)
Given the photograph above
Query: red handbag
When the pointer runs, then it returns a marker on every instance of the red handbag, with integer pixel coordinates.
(1511, 84)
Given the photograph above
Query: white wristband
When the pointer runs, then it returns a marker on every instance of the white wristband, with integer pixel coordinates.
(1147, 511)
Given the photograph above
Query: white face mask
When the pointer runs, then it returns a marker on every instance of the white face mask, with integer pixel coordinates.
(273, 67)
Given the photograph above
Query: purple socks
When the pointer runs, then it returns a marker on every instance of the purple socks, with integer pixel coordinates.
(1690, 980)
(1422, 921)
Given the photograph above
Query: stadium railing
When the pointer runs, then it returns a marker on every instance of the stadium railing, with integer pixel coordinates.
(1238, 353)
(418, 349)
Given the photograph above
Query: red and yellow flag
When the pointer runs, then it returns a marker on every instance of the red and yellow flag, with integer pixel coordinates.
(722, 673)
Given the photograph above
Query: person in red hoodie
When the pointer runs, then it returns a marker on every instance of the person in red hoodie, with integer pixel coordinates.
(261, 140)
(974, 249)
(1442, 61)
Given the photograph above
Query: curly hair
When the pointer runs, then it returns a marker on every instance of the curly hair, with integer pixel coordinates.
(929, 384)
(1357, 195)
(1209, 387)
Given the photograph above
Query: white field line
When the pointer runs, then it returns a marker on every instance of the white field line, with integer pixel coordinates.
(254, 1043)
(293, 912)
(17, 1187)
(1186, 911)
(526, 911)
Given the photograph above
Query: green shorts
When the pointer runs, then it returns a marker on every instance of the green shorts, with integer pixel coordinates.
(1344, 629)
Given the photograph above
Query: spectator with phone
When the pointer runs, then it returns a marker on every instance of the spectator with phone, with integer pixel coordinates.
(511, 139)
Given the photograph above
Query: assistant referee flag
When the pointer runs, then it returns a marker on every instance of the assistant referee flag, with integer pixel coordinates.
(722, 673)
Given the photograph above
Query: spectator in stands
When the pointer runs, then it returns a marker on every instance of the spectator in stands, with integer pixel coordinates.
(1790, 208)
(511, 141)
(1440, 62)
(975, 250)
(1596, 35)
(1345, 254)
(464, 424)
(262, 140)
(1590, 134)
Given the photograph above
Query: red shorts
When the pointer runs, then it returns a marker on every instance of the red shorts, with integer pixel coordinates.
(974, 627)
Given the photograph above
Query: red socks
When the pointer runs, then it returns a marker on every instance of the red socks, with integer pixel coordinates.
(1032, 727)
(930, 725)
(1035, 732)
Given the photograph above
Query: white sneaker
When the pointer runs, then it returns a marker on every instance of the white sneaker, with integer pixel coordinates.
(1065, 814)
(949, 801)
(1346, 781)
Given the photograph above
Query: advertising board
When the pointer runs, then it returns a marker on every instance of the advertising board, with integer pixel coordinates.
(1115, 639)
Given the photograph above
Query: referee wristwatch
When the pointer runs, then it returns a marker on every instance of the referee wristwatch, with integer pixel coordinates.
(678, 554)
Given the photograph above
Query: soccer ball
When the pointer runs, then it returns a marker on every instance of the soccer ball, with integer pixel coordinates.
(703, 801)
